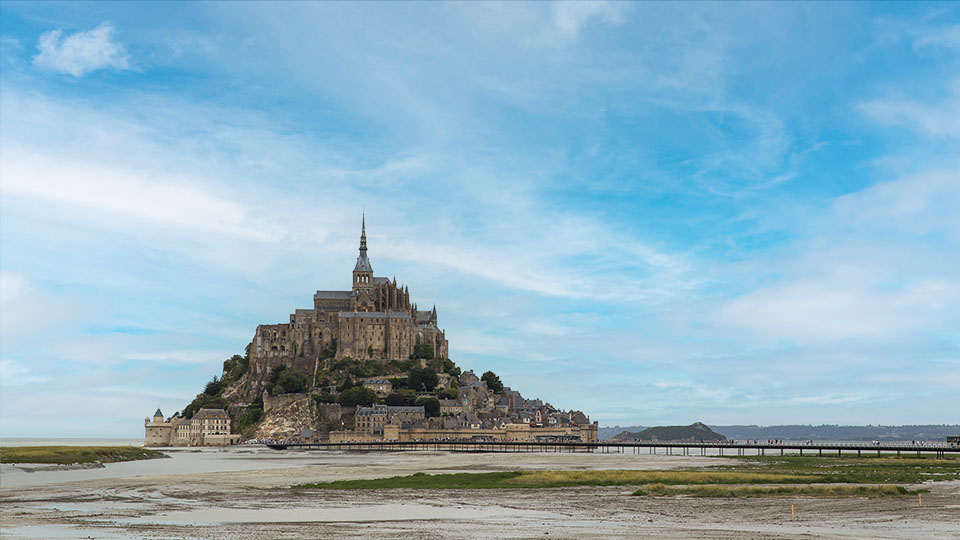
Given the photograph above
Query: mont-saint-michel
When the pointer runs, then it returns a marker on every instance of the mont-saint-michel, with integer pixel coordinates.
(565, 269)
(364, 364)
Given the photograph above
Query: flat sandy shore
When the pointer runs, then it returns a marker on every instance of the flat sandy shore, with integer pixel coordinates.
(245, 493)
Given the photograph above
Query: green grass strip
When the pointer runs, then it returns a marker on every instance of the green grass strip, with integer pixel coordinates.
(551, 479)
(66, 455)
(852, 469)
(662, 490)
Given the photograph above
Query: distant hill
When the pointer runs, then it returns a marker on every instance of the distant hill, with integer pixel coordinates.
(818, 433)
(694, 432)
(842, 433)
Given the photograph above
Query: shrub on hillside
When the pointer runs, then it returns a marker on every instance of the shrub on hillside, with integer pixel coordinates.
(357, 395)
(287, 380)
(431, 406)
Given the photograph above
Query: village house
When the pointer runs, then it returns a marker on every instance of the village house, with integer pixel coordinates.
(450, 406)
(381, 387)
(371, 420)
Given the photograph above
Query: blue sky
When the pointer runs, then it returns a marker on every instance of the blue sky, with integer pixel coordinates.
(656, 213)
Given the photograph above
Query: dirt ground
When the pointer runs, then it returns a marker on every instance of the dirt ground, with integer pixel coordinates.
(244, 501)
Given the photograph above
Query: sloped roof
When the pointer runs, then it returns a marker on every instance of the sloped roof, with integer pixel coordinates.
(158, 413)
(373, 314)
(211, 413)
(332, 295)
(363, 263)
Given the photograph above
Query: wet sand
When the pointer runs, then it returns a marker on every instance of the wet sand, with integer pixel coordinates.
(244, 493)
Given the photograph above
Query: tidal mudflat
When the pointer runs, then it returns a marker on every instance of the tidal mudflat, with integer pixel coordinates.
(247, 493)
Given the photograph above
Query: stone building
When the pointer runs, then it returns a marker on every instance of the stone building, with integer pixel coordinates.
(371, 420)
(381, 387)
(375, 319)
(208, 427)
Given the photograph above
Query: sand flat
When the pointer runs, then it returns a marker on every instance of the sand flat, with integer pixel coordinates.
(244, 493)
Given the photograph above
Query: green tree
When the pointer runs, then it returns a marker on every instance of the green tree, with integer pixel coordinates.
(448, 393)
(249, 417)
(422, 379)
(493, 382)
(409, 396)
(324, 397)
(395, 399)
(431, 406)
(357, 395)
(358, 371)
(203, 401)
(347, 384)
(372, 368)
(233, 368)
(213, 387)
(422, 350)
(287, 380)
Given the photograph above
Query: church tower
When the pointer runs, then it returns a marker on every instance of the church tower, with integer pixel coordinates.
(363, 274)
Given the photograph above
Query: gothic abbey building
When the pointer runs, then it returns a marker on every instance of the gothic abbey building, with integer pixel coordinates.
(373, 320)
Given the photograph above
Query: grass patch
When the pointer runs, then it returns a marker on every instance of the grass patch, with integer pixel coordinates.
(552, 479)
(663, 490)
(622, 478)
(422, 481)
(66, 455)
(851, 469)
(740, 478)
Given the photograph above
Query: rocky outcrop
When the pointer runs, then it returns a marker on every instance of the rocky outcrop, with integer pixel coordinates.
(694, 432)
(288, 420)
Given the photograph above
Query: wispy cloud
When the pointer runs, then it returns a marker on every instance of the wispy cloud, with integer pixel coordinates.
(82, 52)
(606, 201)
(569, 17)
(932, 119)
(135, 195)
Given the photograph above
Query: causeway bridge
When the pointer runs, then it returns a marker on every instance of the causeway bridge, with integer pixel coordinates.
(729, 448)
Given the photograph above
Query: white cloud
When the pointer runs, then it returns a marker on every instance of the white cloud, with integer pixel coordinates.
(934, 120)
(823, 309)
(81, 52)
(570, 17)
(879, 270)
(177, 357)
(919, 204)
(134, 194)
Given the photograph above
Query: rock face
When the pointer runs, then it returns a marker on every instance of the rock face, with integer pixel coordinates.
(288, 420)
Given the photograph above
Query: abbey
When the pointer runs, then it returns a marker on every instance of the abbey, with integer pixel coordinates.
(374, 320)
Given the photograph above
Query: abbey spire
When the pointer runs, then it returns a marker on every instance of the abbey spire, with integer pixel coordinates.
(363, 272)
(363, 263)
